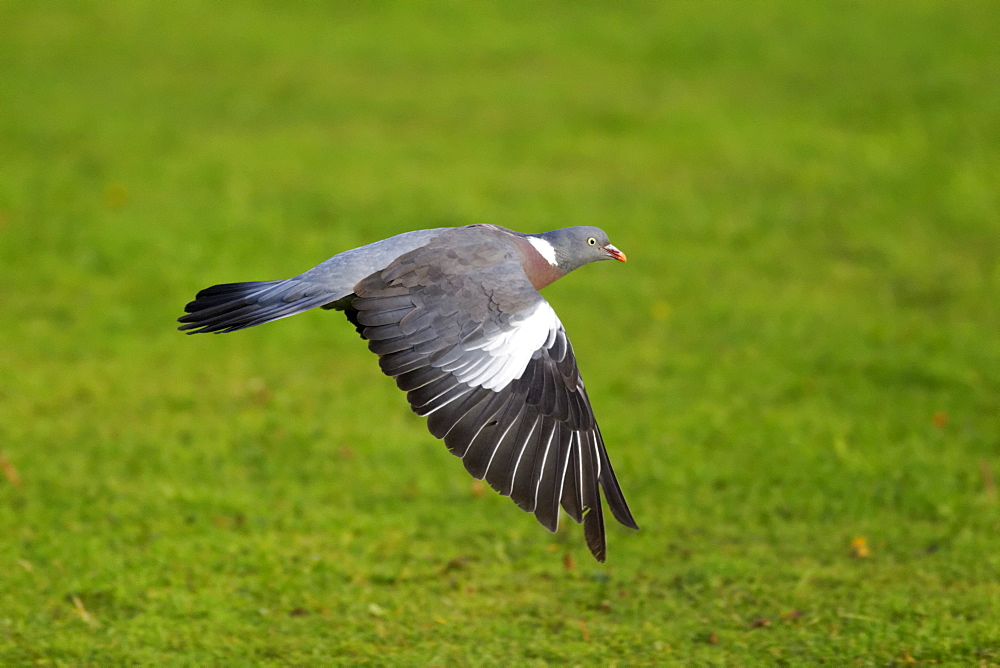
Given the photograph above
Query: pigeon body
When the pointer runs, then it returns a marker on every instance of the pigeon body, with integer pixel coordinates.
(455, 316)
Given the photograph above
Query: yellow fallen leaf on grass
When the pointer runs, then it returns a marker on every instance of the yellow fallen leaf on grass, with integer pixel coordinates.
(9, 471)
(83, 612)
(987, 475)
(860, 549)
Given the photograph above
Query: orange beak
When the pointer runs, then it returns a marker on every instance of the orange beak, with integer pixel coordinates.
(614, 253)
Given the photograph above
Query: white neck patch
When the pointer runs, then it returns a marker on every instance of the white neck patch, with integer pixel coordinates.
(544, 249)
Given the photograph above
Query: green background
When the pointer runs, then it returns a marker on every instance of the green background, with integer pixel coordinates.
(803, 350)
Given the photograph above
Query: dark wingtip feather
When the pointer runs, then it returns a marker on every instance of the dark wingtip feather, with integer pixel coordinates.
(612, 490)
(593, 519)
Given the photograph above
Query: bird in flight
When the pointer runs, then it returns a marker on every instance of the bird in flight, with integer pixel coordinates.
(455, 316)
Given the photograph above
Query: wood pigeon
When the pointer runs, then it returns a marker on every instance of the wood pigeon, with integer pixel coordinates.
(455, 316)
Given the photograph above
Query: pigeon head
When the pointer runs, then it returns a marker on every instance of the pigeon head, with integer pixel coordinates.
(572, 247)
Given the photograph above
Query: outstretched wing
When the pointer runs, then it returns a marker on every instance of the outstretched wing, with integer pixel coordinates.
(483, 356)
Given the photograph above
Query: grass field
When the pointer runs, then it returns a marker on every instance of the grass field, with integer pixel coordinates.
(803, 351)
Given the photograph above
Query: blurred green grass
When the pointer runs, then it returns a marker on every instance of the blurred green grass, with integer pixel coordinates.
(802, 350)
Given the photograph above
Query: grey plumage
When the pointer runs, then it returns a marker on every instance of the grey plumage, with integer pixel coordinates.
(232, 306)
(455, 318)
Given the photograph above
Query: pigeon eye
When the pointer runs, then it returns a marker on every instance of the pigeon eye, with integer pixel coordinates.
(591, 241)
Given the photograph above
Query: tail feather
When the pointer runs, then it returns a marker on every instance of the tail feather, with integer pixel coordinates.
(231, 306)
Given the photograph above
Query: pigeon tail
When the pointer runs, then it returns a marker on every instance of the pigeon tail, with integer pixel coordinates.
(231, 306)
